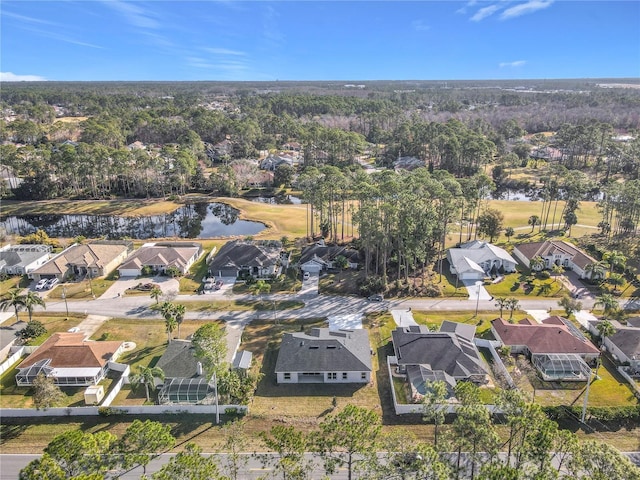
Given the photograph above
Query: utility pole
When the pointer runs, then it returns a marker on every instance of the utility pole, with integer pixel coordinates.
(64, 297)
(478, 284)
(586, 397)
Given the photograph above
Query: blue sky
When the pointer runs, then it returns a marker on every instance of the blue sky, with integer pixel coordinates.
(313, 40)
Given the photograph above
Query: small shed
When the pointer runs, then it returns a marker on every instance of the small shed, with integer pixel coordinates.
(94, 395)
(242, 360)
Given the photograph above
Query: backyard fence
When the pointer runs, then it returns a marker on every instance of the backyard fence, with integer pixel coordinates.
(498, 365)
(122, 410)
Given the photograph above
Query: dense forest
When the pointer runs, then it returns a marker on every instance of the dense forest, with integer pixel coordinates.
(343, 144)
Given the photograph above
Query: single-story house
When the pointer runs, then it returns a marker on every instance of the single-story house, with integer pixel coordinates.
(324, 356)
(476, 260)
(8, 337)
(319, 257)
(272, 162)
(161, 256)
(555, 252)
(23, 259)
(625, 345)
(185, 381)
(92, 259)
(70, 360)
(449, 354)
(555, 346)
(259, 258)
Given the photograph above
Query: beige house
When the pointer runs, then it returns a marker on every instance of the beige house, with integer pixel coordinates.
(92, 260)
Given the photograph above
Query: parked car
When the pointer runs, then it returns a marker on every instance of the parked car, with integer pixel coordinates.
(376, 298)
(42, 283)
(52, 283)
(218, 285)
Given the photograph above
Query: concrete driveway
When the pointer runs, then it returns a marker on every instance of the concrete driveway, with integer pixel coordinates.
(310, 285)
(472, 288)
(169, 286)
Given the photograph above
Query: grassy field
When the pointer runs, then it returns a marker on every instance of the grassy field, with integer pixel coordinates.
(517, 285)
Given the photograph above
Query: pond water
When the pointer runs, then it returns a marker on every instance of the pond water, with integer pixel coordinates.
(197, 220)
(277, 200)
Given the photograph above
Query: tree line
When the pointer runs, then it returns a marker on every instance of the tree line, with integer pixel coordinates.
(468, 446)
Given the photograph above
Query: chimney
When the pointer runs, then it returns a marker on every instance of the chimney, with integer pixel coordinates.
(199, 368)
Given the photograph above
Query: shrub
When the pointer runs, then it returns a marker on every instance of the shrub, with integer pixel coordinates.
(544, 275)
(432, 291)
(108, 411)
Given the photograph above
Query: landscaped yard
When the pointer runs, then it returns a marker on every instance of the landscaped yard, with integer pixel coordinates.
(13, 396)
(287, 283)
(301, 401)
(608, 390)
(53, 322)
(149, 336)
(521, 284)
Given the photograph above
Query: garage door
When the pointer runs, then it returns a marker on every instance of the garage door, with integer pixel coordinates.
(226, 272)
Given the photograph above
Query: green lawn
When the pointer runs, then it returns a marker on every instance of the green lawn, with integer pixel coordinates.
(521, 284)
(12, 396)
(12, 282)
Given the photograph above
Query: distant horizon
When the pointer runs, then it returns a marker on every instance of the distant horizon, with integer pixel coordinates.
(632, 80)
(258, 41)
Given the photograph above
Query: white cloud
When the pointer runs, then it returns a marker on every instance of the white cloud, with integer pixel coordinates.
(517, 63)
(12, 77)
(420, 26)
(225, 51)
(133, 14)
(485, 12)
(24, 18)
(525, 8)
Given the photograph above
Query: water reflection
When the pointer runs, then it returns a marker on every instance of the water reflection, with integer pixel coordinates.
(196, 220)
(278, 200)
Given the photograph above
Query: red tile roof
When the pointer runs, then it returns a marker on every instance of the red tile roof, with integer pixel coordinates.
(548, 337)
(71, 350)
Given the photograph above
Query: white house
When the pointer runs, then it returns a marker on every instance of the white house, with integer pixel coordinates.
(23, 259)
(476, 260)
(324, 356)
(625, 345)
(70, 360)
(555, 252)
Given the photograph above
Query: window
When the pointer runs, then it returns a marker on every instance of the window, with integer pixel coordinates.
(287, 376)
(332, 376)
(363, 375)
(344, 375)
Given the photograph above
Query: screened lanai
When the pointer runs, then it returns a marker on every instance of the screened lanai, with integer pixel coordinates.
(561, 367)
(187, 391)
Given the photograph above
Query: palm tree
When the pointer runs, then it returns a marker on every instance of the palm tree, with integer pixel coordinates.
(596, 269)
(537, 263)
(14, 299)
(501, 303)
(608, 302)
(168, 311)
(533, 221)
(179, 310)
(32, 299)
(512, 304)
(616, 279)
(605, 329)
(146, 376)
(156, 293)
(615, 259)
(557, 270)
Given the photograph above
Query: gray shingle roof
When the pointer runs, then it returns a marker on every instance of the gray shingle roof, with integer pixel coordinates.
(450, 350)
(329, 253)
(179, 361)
(239, 253)
(325, 351)
(628, 341)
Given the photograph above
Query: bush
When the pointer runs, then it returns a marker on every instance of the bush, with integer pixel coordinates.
(432, 291)
(371, 285)
(108, 411)
(544, 275)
